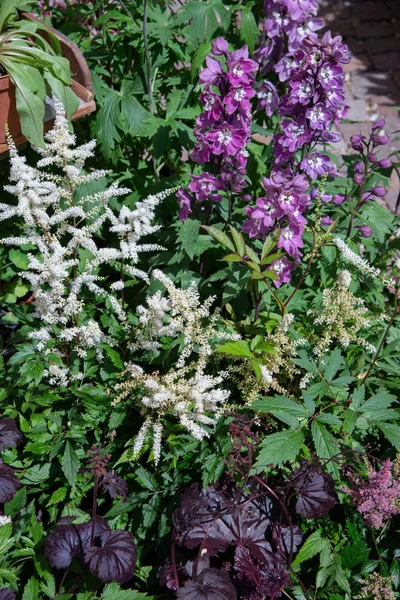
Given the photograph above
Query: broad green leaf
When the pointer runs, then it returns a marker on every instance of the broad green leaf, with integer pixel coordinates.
(19, 258)
(188, 236)
(249, 31)
(237, 348)
(325, 444)
(220, 236)
(239, 241)
(70, 464)
(30, 106)
(146, 479)
(279, 447)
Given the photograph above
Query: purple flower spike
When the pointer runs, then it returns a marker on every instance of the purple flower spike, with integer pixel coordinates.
(365, 231)
(205, 186)
(226, 139)
(290, 239)
(319, 116)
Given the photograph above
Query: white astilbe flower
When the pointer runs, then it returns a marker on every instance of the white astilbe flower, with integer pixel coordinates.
(361, 263)
(182, 312)
(194, 400)
(64, 227)
(341, 316)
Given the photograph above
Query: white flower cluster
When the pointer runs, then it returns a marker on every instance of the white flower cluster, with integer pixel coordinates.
(182, 312)
(342, 316)
(186, 393)
(195, 401)
(63, 226)
(356, 260)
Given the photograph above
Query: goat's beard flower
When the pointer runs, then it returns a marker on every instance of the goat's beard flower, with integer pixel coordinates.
(60, 223)
(377, 498)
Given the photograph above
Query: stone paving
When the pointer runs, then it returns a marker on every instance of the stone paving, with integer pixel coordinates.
(371, 29)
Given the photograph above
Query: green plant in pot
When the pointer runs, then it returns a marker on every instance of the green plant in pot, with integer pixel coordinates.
(31, 69)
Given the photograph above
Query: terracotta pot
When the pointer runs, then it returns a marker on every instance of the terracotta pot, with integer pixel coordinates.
(8, 110)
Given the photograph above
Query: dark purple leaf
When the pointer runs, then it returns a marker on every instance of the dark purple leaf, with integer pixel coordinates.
(9, 434)
(9, 483)
(197, 519)
(70, 541)
(114, 485)
(257, 582)
(316, 491)
(7, 594)
(211, 584)
(115, 560)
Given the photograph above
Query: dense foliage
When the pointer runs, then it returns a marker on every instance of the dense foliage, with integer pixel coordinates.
(200, 360)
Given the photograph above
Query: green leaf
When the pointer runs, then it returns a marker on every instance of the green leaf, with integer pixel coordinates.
(70, 464)
(220, 236)
(333, 364)
(354, 554)
(188, 236)
(7, 9)
(112, 591)
(30, 105)
(146, 479)
(280, 403)
(31, 590)
(391, 432)
(324, 442)
(19, 258)
(57, 496)
(249, 31)
(238, 348)
(313, 545)
(12, 508)
(279, 447)
(239, 241)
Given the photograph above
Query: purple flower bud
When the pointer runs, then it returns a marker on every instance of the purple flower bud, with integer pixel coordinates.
(326, 220)
(365, 230)
(379, 124)
(339, 198)
(358, 178)
(219, 47)
(359, 166)
(384, 163)
(356, 141)
(380, 140)
(379, 191)
(372, 157)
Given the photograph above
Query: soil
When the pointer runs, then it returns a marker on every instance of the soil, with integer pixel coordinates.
(2, 71)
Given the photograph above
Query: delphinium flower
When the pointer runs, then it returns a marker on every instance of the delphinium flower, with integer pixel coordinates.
(59, 223)
(282, 207)
(223, 128)
(377, 498)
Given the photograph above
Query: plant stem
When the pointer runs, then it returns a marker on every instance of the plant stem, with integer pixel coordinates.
(394, 314)
(148, 76)
(94, 508)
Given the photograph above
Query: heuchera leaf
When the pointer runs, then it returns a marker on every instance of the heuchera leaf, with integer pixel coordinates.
(7, 594)
(9, 483)
(114, 485)
(69, 541)
(9, 434)
(116, 559)
(316, 491)
(211, 584)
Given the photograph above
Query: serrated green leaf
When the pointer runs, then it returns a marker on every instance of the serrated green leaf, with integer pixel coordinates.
(70, 464)
(313, 545)
(249, 31)
(31, 590)
(279, 447)
(236, 348)
(188, 236)
(391, 432)
(239, 241)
